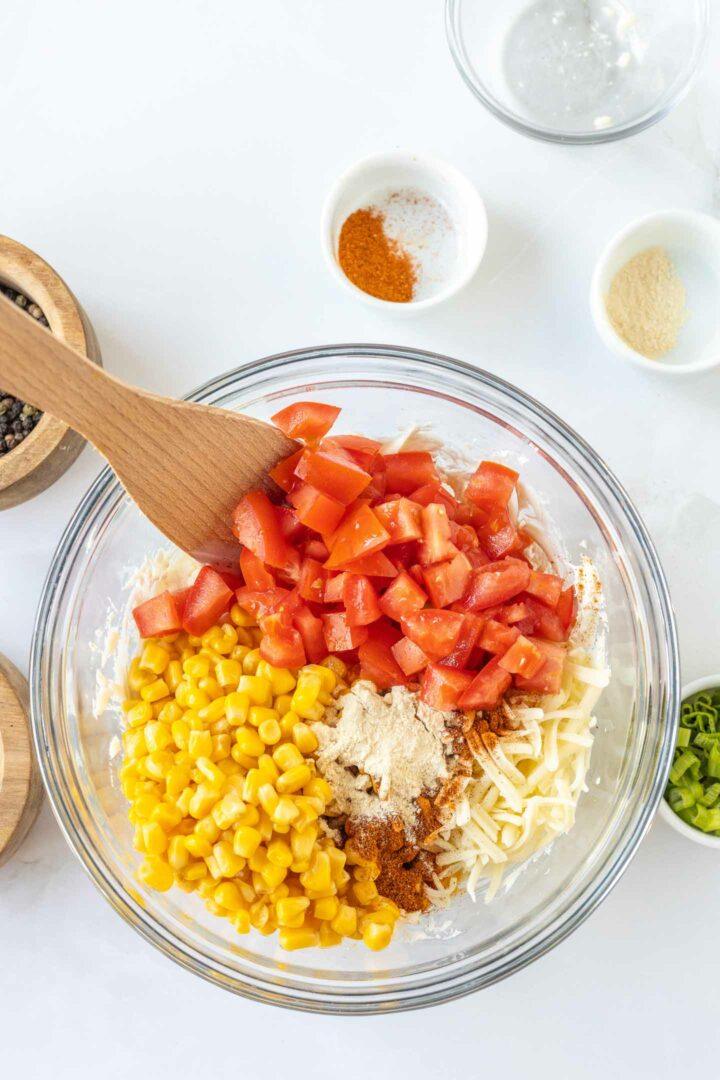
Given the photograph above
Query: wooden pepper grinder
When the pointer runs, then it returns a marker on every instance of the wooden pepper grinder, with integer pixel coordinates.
(20, 784)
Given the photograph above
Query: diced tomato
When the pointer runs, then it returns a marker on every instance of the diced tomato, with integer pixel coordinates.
(310, 628)
(409, 656)
(360, 534)
(436, 493)
(509, 614)
(180, 596)
(284, 472)
(545, 587)
(401, 518)
(315, 549)
(409, 470)
(261, 602)
(437, 545)
(316, 510)
(158, 616)
(447, 582)
(566, 607)
(311, 583)
(495, 583)
(464, 537)
(523, 658)
(284, 648)
(208, 599)
(402, 597)
(436, 632)
(256, 524)
(334, 472)
(499, 536)
(416, 571)
(376, 565)
(339, 635)
(497, 638)
(360, 599)
(470, 631)
(255, 574)
(306, 419)
(233, 581)
(378, 485)
(487, 688)
(477, 557)
(442, 686)
(334, 588)
(377, 662)
(548, 679)
(491, 485)
(403, 555)
(290, 572)
(290, 525)
(542, 621)
(365, 451)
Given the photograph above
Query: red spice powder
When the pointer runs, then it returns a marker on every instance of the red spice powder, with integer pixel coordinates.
(374, 263)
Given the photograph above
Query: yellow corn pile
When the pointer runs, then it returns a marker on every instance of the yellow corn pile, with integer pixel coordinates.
(224, 794)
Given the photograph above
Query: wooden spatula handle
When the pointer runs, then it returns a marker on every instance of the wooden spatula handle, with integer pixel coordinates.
(38, 368)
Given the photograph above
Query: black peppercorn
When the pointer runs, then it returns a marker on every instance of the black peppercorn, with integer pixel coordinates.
(17, 418)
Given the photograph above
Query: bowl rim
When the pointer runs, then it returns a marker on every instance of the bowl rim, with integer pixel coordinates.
(706, 682)
(610, 337)
(579, 138)
(468, 193)
(105, 493)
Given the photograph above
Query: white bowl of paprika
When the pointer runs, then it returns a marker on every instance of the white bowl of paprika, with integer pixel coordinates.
(403, 231)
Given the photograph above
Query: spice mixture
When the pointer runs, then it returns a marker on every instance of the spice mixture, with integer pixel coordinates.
(374, 263)
(646, 303)
(17, 419)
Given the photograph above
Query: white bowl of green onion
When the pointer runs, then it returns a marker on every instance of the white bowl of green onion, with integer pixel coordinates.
(692, 796)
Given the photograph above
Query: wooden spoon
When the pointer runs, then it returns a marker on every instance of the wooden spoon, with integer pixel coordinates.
(185, 465)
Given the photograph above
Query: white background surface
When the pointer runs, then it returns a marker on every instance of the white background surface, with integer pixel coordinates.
(170, 159)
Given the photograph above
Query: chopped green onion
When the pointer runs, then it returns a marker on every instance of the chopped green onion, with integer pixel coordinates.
(693, 791)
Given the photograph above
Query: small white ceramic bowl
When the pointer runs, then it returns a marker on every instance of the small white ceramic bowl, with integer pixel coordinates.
(372, 179)
(666, 813)
(692, 240)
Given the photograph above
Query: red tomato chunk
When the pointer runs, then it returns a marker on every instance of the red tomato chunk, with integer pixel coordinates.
(306, 419)
(158, 616)
(208, 599)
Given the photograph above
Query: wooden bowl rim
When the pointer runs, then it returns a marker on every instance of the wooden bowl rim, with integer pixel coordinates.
(19, 822)
(22, 269)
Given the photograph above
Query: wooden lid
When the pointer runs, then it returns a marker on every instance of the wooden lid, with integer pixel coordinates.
(20, 784)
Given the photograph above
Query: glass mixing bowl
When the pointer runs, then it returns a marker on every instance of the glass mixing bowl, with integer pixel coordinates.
(578, 71)
(381, 390)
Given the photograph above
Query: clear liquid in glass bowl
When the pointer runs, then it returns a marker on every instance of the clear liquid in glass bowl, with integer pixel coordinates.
(470, 945)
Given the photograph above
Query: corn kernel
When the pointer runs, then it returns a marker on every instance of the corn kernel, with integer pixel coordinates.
(327, 908)
(214, 776)
(196, 871)
(249, 816)
(241, 617)
(281, 679)
(304, 738)
(291, 938)
(157, 735)
(168, 817)
(221, 745)
(269, 798)
(137, 678)
(272, 874)
(318, 788)
(207, 827)
(377, 935)
(287, 757)
(365, 892)
(269, 731)
(291, 911)
(154, 838)
(228, 861)
(154, 658)
(236, 708)
(285, 812)
(279, 853)
(155, 691)
(197, 667)
(228, 672)
(178, 855)
(345, 922)
(198, 846)
(318, 878)
(156, 873)
(214, 711)
(294, 779)
(226, 812)
(158, 764)
(139, 714)
(303, 842)
(265, 825)
(203, 800)
(228, 896)
(173, 677)
(241, 921)
(247, 841)
(327, 936)
(135, 743)
(249, 742)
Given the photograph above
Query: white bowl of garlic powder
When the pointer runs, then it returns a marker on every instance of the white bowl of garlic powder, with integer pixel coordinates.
(654, 292)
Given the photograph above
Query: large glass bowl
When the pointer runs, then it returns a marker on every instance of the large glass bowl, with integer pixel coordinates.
(578, 71)
(381, 390)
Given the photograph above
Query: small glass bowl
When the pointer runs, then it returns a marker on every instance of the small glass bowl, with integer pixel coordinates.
(578, 71)
(381, 390)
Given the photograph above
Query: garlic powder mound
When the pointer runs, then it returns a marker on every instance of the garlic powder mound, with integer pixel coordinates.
(380, 752)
